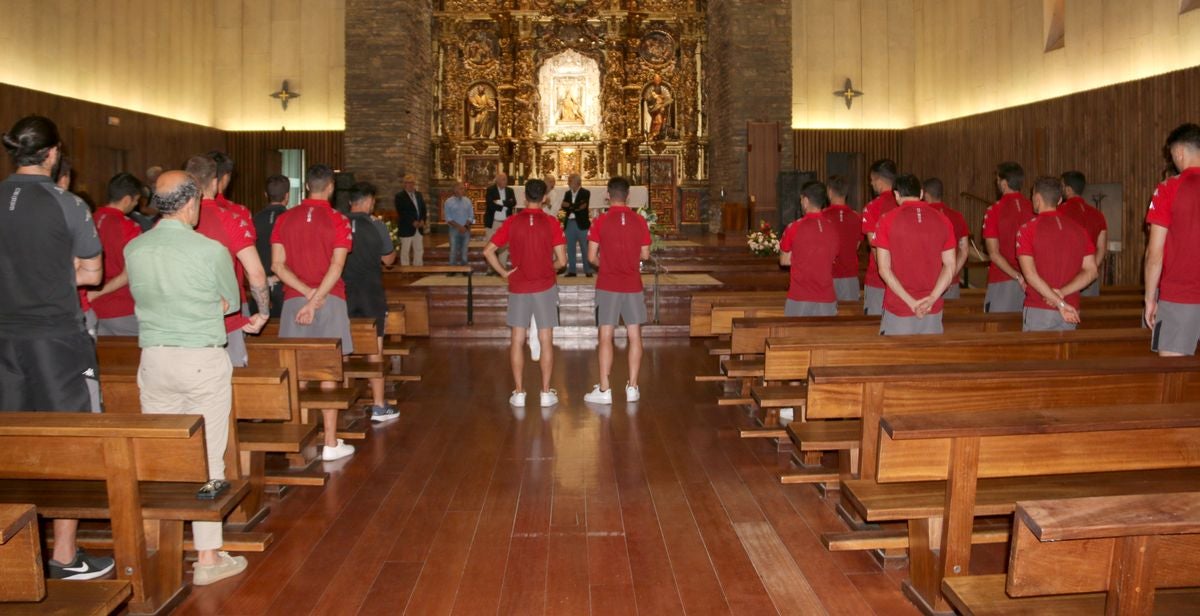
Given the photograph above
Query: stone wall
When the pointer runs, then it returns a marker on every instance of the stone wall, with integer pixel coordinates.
(389, 92)
(748, 77)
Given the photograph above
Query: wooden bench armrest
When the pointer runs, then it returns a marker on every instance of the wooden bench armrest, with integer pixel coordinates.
(96, 425)
(14, 518)
(1102, 517)
(954, 424)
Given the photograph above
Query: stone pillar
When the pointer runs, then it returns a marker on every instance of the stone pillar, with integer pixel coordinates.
(747, 77)
(390, 75)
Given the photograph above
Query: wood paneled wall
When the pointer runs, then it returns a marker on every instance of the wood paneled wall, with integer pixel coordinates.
(1114, 135)
(99, 150)
(256, 155)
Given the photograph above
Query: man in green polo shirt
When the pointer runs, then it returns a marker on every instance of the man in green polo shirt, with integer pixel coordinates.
(183, 285)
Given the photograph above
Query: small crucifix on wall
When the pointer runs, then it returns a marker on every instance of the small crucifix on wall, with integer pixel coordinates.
(848, 93)
(283, 95)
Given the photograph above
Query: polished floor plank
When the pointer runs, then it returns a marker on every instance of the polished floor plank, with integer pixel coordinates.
(466, 506)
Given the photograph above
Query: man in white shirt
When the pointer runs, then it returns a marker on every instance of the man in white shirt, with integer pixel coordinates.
(501, 201)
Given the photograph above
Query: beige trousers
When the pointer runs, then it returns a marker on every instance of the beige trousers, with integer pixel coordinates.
(178, 381)
(414, 245)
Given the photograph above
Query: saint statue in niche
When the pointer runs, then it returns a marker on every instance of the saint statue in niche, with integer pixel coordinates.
(481, 112)
(569, 109)
(658, 102)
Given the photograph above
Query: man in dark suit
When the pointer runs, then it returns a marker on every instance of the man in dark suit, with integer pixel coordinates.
(410, 210)
(576, 223)
(501, 200)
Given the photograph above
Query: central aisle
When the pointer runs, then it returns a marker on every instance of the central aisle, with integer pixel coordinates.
(466, 506)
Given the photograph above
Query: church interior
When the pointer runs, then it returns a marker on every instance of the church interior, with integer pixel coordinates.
(763, 459)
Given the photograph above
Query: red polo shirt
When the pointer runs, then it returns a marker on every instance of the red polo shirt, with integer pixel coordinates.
(848, 225)
(916, 235)
(814, 242)
(309, 233)
(621, 234)
(1058, 245)
(870, 221)
(240, 211)
(219, 225)
(1001, 222)
(115, 230)
(1090, 218)
(1176, 207)
(533, 234)
(957, 220)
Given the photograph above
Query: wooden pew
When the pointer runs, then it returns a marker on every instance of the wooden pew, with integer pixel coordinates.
(395, 346)
(416, 308)
(938, 471)
(1120, 549)
(442, 269)
(749, 336)
(23, 587)
(366, 342)
(320, 363)
(724, 314)
(141, 472)
(702, 303)
(264, 401)
(752, 370)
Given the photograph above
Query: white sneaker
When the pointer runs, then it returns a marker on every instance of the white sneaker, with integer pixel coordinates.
(632, 393)
(517, 399)
(341, 450)
(549, 398)
(787, 414)
(598, 397)
(227, 567)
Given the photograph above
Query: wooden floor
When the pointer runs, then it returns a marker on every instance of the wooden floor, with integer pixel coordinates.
(464, 506)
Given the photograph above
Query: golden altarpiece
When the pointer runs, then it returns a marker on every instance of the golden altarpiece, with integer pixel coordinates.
(553, 87)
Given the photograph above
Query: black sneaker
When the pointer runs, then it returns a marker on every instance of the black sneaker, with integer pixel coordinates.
(84, 567)
(380, 414)
(570, 275)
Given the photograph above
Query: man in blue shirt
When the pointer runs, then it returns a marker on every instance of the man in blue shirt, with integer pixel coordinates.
(459, 214)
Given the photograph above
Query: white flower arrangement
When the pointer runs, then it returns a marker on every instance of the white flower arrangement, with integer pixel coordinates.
(764, 242)
(656, 232)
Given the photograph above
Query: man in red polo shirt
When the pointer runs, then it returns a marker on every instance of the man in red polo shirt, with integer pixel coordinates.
(810, 247)
(1091, 219)
(883, 177)
(536, 250)
(1057, 259)
(112, 301)
(1173, 250)
(916, 261)
(224, 176)
(934, 189)
(848, 224)
(618, 242)
(1006, 286)
(238, 237)
(308, 253)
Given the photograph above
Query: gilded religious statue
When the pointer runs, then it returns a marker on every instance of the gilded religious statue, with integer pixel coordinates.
(481, 112)
(569, 109)
(658, 101)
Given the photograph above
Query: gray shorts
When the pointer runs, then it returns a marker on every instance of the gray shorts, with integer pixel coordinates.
(1176, 328)
(1092, 290)
(89, 322)
(120, 326)
(952, 292)
(873, 300)
(892, 325)
(612, 308)
(1044, 320)
(525, 306)
(846, 289)
(1007, 296)
(236, 347)
(794, 308)
(331, 321)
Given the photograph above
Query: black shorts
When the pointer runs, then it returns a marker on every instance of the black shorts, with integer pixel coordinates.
(49, 374)
(367, 303)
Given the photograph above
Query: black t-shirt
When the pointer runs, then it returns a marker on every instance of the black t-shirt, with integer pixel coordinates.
(264, 224)
(42, 230)
(363, 273)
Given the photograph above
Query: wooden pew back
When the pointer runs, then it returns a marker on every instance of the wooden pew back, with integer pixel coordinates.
(871, 392)
(790, 358)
